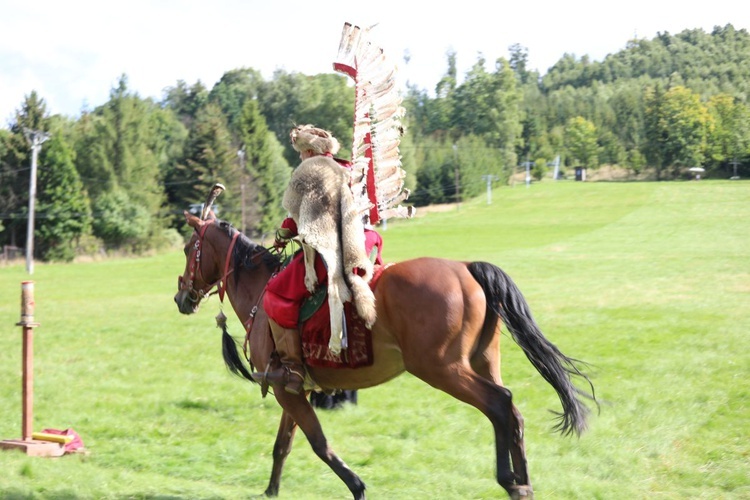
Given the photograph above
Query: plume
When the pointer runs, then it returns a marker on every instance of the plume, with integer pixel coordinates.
(377, 175)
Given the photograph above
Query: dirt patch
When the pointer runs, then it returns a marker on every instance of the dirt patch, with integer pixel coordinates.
(447, 207)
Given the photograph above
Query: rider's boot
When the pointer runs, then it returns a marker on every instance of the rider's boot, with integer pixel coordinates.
(291, 373)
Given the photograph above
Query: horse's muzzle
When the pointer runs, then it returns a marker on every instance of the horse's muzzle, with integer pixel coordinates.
(185, 303)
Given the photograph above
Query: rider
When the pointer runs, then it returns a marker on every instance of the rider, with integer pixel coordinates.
(286, 291)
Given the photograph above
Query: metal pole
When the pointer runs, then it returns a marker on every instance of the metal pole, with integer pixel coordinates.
(528, 172)
(32, 203)
(36, 139)
(734, 164)
(489, 179)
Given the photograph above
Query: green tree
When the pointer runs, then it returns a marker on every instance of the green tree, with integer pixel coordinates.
(439, 111)
(209, 157)
(268, 170)
(540, 169)
(63, 208)
(232, 90)
(677, 126)
(185, 101)
(15, 168)
(474, 160)
(436, 173)
(519, 60)
(729, 139)
(120, 150)
(581, 142)
(120, 222)
(326, 101)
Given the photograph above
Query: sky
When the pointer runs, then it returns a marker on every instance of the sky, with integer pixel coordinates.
(74, 52)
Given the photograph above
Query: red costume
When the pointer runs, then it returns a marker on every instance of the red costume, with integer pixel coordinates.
(286, 291)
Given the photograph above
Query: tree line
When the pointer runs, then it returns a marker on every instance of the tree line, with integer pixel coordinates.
(119, 176)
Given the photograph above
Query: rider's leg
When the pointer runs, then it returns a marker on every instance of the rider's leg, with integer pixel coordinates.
(289, 346)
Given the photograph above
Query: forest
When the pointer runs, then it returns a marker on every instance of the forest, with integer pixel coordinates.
(118, 177)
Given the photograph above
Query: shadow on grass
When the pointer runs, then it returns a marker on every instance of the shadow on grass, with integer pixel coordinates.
(18, 495)
(15, 494)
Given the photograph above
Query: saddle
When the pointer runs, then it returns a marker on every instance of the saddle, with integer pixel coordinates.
(315, 329)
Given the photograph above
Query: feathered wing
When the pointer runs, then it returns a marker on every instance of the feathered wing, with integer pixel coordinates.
(377, 176)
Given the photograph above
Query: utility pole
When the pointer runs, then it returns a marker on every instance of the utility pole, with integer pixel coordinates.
(35, 138)
(556, 172)
(528, 172)
(489, 179)
(734, 164)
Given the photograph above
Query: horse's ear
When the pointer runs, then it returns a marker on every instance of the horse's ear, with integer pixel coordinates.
(192, 220)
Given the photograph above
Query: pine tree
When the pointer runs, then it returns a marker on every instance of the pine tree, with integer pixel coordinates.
(15, 168)
(63, 209)
(121, 150)
(268, 171)
(209, 158)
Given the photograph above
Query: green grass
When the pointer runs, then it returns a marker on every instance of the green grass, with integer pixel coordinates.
(648, 282)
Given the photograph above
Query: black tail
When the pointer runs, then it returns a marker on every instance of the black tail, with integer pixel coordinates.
(506, 300)
(231, 356)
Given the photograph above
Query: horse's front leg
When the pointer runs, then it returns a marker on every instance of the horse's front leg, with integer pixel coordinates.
(298, 407)
(281, 449)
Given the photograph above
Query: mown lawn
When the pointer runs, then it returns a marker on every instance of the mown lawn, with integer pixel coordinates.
(647, 282)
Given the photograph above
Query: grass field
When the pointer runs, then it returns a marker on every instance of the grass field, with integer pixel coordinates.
(647, 282)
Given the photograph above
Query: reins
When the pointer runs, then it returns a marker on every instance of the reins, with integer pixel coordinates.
(195, 270)
(249, 325)
(222, 283)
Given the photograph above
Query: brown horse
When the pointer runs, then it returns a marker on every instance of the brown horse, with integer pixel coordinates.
(437, 319)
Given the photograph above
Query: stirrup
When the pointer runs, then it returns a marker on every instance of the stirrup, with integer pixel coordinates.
(262, 379)
(291, 384)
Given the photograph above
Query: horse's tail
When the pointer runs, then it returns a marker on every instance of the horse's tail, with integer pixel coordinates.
(232, 358)
(506, 300)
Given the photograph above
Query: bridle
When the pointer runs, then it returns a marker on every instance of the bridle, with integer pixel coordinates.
(194, 270)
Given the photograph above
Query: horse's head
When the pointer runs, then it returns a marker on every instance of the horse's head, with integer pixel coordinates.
(202, 270)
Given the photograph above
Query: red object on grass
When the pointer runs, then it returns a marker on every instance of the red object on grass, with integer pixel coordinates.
(74, 445)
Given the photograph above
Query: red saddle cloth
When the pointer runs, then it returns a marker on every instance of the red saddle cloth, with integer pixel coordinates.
(316, 332)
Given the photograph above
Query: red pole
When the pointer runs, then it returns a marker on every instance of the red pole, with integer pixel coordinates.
(27, 443)
(27, 384)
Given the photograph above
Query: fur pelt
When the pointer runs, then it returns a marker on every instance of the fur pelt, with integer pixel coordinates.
(317, 140)
(319, 199)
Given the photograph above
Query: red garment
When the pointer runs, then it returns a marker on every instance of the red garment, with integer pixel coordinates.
(286, 291)
(373, 239)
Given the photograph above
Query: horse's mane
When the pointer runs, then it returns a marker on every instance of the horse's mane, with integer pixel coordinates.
(247, 254)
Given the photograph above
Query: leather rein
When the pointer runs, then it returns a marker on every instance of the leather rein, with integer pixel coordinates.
(194, 270)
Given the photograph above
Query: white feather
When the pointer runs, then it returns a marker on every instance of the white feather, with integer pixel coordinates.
(377, 123)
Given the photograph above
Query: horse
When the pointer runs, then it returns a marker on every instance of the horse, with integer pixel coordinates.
(437, 319)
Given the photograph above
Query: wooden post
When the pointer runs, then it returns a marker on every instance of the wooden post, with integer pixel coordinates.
(26, 443)
(27, 383)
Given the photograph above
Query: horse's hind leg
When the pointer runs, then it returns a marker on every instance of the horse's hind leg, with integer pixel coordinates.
(496, 404)
(281, 449)
(486, 362)
(518, 450)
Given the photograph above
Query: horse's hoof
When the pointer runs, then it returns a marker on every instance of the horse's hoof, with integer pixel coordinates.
(521, 492)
